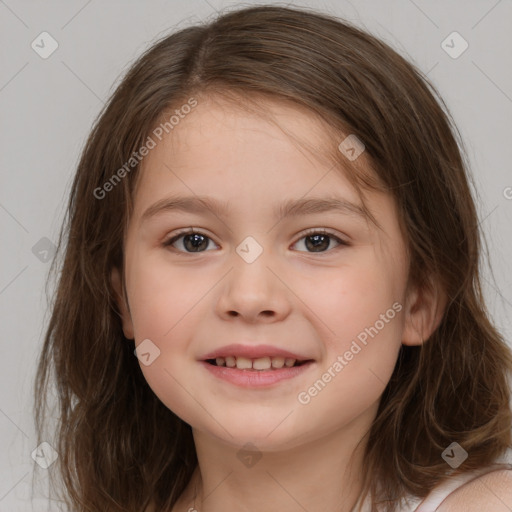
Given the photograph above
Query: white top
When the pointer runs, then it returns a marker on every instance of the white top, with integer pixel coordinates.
(432, 501)
(441, 492)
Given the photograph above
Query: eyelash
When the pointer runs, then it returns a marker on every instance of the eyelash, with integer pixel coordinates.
(310, 232)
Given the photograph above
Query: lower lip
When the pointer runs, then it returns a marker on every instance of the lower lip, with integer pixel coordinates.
(255, 378)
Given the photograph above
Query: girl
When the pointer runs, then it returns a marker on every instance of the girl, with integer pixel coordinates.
(270, 294)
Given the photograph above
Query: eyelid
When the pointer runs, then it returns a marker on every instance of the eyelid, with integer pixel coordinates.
(322, 231)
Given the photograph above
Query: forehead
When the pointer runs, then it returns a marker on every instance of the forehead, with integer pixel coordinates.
(237, 145)
(217, 122)
(252, 156)
(277, 143)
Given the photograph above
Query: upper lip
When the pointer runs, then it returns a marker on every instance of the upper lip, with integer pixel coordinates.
(253, 352)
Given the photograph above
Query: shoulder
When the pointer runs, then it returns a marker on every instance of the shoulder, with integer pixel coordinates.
(491, 492)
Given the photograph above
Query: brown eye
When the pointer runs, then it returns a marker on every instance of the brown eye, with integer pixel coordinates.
(191, 241)
(320, 241)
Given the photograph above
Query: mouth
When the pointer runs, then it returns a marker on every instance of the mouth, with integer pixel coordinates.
(259, 364)
(255, 366)
(259, 373)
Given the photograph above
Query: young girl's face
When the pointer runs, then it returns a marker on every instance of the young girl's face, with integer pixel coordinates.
(272, 284)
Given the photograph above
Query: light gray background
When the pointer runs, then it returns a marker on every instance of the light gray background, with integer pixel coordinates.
(48, 106)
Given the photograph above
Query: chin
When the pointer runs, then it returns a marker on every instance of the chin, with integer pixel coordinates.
(270, 435)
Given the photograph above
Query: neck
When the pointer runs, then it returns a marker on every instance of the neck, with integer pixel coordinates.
(323, 474)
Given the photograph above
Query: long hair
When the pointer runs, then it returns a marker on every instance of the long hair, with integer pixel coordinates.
(119, 447)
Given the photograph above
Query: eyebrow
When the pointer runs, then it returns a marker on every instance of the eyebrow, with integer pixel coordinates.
(290, 208)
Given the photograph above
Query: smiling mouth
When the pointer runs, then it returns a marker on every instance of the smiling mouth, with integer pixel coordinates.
(259, 364)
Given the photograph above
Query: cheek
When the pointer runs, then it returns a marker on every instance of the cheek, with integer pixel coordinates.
(359, 315)
(169, 323)
(344, 301)
(166, 309)
(161, 295)
(358, 362)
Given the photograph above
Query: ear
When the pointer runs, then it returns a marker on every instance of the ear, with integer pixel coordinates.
(424, 310)
(122, 302)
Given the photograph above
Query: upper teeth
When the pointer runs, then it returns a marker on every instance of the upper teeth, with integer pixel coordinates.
(262, 363)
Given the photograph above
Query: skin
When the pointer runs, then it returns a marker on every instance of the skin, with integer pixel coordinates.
(489, 493)
(313, 303)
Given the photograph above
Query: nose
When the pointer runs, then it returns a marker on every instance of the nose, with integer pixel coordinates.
(255, 292)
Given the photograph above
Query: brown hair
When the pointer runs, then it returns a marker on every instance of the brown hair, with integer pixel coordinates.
(119, 447)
